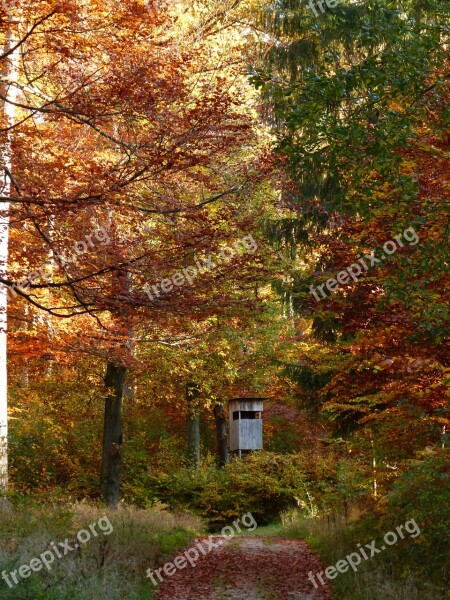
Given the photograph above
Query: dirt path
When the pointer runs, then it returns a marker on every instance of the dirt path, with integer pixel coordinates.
(248, 568)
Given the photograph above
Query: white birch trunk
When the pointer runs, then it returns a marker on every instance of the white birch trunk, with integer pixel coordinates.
(10, 73)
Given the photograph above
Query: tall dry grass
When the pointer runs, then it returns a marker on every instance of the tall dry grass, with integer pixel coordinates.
(383, 577)
(108, 567)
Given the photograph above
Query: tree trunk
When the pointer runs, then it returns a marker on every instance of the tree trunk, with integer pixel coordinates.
(10, 72)
(193, 426)
(221, 430)
(112, 435)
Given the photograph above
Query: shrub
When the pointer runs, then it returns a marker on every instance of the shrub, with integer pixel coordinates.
(422, 493)
(262, 483)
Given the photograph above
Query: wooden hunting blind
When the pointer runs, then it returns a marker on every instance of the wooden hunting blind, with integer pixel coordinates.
(246, 426)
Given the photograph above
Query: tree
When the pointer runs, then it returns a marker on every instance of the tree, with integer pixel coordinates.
(221, 432)
(8, 96)
(374, 89)
(193, 425)
(156, 162)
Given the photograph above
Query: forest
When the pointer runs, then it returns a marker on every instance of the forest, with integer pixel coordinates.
(224, 299)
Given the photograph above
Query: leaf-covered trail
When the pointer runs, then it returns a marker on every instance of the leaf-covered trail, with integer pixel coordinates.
(249, 568)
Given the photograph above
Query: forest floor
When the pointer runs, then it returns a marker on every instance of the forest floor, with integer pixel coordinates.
(248, 568)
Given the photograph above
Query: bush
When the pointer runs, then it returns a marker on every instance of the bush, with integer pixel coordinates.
(422, 493)
(414, 568)
(262, 483)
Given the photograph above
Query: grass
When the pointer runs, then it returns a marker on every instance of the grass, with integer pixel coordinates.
(113, 567)
(384, 577)
(108, 567)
